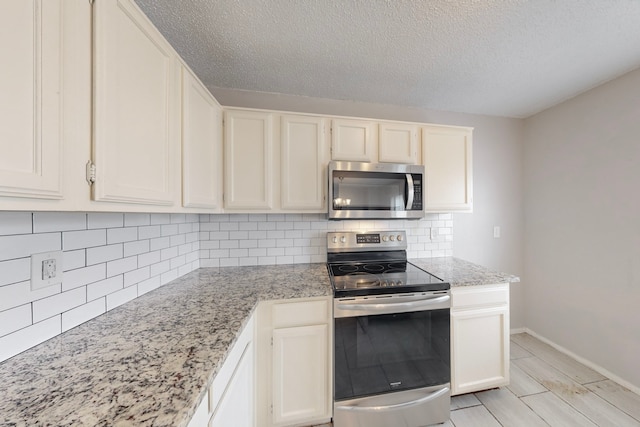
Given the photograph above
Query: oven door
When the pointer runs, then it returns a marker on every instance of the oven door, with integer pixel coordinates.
(392, 359)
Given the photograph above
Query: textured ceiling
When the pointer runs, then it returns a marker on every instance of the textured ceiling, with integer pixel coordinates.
(508, 58)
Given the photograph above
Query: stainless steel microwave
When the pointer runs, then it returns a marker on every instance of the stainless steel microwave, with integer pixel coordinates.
(359, 190)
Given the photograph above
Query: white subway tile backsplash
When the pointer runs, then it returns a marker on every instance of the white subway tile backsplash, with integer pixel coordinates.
(83, 313)
(15, 270)
(148, 285)
(121, 265)
(74, 259)
(106, 256)
(160, 218)
(14, 319)
(168, 230)
(104, 253)
(83, 239)
(159, 243)
(83, 276)
(120, 297)
(136, 248)
(160, 267)
(104, 287)
(148, 258)
(56, 304)
(45, 222)
(24, 245)
(105, 220)
(21, 340)
(112, 258)
(20, 293)
(136, 276)
(120, 235)
(136, 219)
(15, 223)
(149, 232)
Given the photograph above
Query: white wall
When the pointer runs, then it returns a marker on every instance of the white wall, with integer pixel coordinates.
(497, 174)
(582, 225)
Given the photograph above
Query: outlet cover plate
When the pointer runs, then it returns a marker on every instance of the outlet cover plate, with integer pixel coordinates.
(46, 269)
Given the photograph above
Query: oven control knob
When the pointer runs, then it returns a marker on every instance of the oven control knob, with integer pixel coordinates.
(399, 283)
(343, 239)
(392, 237)
(399, 237)
(335, 239)
(384, 238)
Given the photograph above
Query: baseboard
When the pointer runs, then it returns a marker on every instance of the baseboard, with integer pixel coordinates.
(582, 360)
(518, 331)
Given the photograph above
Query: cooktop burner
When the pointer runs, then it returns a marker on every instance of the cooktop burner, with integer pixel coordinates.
(375, 263)
(362, 278)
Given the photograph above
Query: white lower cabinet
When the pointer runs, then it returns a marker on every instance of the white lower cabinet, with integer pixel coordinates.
(479, 338)
(230, 401)
(294, 363)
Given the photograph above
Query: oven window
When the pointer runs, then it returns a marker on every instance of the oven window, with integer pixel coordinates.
(391, 352)
(369, 191)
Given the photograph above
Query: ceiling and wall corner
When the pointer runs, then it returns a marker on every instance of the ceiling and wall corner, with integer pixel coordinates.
(510, 58)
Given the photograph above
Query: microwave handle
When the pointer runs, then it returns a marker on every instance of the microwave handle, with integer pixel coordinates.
(410, 191)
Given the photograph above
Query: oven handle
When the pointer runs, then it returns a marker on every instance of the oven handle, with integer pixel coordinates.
(377, 306)
(410, 191)
(431, 396)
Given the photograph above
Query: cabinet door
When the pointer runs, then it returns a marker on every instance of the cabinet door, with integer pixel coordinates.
(248, 154)
(304, 161)
(479, 349)
(353, 140)
(31, 92)
(201, 145)
(398, 143)
(136, 141)
(300, 374)
(236, 408)
(447, 157)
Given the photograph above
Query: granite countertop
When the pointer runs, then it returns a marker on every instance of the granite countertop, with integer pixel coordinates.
(459, 272)
(147, 362)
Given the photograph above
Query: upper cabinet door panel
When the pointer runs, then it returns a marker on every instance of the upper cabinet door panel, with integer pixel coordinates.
(201, 145)
(447, 157)
(31, 92)
(353, 140)
(398, 143)
(136, 107)
(304, 158)
(248, 154)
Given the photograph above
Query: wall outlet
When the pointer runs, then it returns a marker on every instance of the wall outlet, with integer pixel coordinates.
(496, 232)
(434, 233)
(46, 269)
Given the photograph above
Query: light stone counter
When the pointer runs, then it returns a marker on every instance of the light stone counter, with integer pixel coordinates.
(459, 272)
(148, 362)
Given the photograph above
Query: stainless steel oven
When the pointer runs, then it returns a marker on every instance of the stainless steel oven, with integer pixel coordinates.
(392, 334)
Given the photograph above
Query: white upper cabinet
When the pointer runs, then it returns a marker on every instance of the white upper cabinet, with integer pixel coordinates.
(447, 158)
(248, 160)
(136, 141)
(353, 140)
(304, 157)
(201, 145)
(31, 122)
(398, 143)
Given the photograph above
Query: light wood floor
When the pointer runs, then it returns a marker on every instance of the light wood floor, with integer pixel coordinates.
(547, 388)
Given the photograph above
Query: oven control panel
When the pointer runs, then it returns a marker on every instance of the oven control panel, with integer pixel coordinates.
(356, 241)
